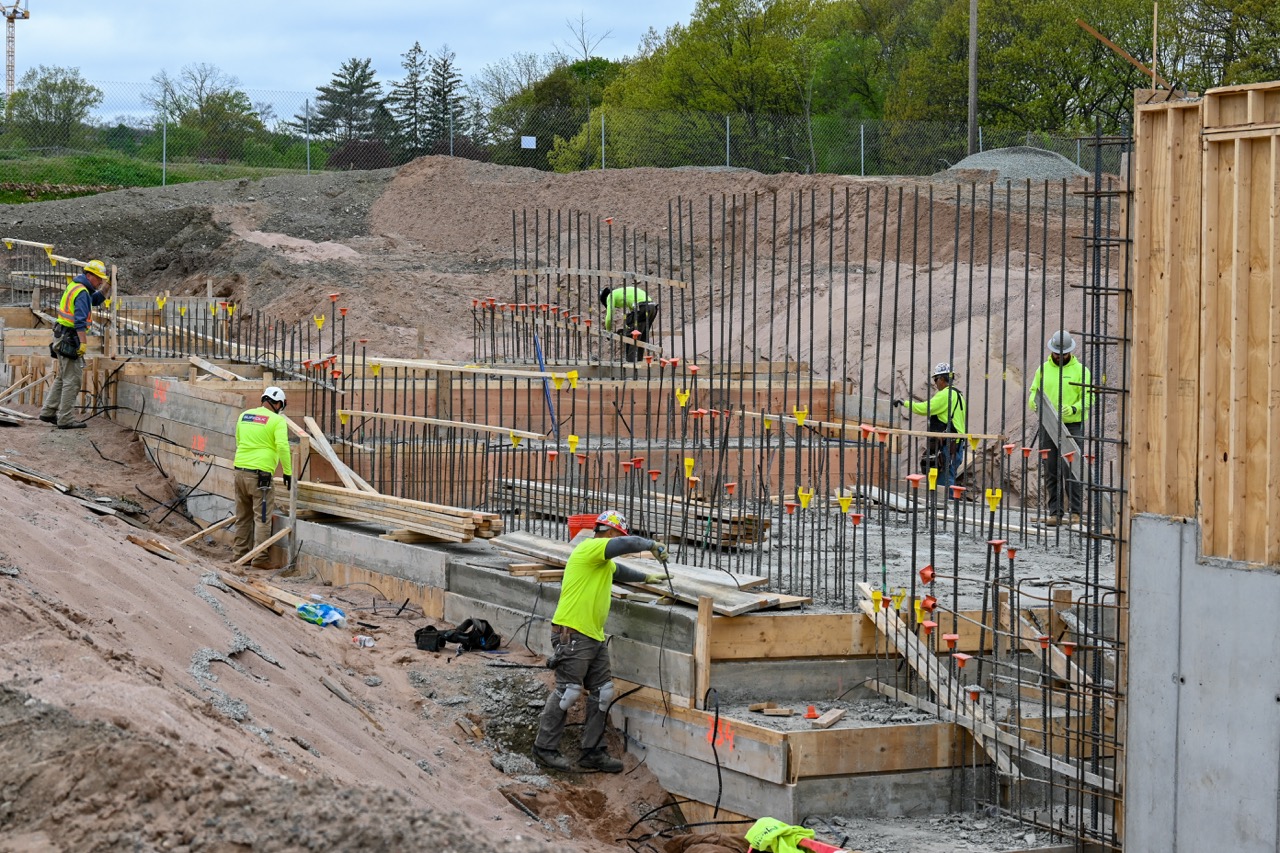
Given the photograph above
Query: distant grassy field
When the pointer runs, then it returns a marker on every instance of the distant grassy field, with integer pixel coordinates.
(48, 178)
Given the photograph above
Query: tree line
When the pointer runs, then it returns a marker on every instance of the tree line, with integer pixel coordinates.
(772, 76)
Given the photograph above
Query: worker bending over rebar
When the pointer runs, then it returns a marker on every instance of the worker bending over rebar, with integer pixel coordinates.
(946, 411)
(579, 650)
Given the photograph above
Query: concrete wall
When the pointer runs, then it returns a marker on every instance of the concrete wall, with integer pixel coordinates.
(1203, 753)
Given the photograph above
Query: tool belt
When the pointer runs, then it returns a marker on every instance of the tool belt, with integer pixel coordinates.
(264, 477)
(564, 633)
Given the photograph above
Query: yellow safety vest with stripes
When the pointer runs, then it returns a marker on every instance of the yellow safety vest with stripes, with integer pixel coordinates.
(67, 305)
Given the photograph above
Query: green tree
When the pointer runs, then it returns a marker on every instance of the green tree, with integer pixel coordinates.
(1221, 42)
(51, 106)
(446, 101)
(408, 101)
(344, 110)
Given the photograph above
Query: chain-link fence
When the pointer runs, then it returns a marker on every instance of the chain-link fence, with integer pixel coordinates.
(57, 141)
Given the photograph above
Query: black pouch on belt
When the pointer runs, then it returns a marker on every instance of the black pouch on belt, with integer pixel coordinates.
(264, 480)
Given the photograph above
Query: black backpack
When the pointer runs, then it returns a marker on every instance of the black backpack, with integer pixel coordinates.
(472, 635)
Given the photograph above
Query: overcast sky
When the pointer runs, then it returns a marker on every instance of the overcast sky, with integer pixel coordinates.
(292, 46)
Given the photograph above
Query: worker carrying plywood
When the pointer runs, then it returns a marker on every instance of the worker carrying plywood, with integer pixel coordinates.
(262, 443)
(579, 650)
(637, 312)
(946, 410)
(75, 313)
(1066, 385)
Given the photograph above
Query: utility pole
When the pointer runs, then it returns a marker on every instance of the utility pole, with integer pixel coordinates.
(973, 77)
(12, 13)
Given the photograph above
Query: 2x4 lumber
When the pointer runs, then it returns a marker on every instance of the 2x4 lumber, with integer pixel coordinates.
(934, 672)
(441, 422)
(1028, 637)
(842, 426)
(415, 364)
(702, 650)
(217, 525)
(255, 595)
(994, 733)
(815, 635)
(267, 543)
(829, 719)
(349, 478)
(408, 503)
(220, 372)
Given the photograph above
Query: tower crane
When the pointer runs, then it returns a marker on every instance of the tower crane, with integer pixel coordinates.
(13, 12)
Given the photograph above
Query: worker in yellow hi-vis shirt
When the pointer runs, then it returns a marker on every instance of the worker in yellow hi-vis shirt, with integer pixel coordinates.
(579, 650)
(262, 443)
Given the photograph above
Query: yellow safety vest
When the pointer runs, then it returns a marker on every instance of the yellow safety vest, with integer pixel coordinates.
(67, 305)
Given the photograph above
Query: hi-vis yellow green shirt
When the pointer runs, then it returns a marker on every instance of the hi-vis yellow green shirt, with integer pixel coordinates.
(262, 440)
(586, 589)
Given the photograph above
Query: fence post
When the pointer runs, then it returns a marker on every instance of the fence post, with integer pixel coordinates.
(862, 150)
(1077, 151)
(602, 140)
(164, 141)
(980, 148)
(307, 110)
(726, 139)
(450, 128)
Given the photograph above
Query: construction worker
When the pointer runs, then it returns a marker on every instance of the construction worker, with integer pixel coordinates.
(75, 313)
(579, 650)
(637, 312)
(946, 411)
(262, 443)
(1065, 383)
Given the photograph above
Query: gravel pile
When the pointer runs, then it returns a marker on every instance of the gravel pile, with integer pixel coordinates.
(1018, 163)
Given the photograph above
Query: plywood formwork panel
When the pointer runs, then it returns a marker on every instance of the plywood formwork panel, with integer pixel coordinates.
(1239, 472)
(1166, 351)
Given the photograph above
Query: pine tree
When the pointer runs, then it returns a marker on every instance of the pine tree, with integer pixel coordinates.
(446, 105)
(408, 101)
(345, 108)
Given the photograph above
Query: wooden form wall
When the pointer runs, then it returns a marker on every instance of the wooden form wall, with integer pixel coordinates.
(1206, 306)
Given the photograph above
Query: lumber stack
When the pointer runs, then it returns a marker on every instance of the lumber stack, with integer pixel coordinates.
(408, 520)
(654, 514)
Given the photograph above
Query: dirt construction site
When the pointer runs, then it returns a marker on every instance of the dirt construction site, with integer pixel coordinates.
(844, 643)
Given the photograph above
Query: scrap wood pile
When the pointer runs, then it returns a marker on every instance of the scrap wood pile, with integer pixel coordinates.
(732, 594)
(654, 514)
(407, 520)
(126, 510)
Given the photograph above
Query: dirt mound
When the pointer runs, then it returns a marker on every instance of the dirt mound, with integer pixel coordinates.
(1019, 163)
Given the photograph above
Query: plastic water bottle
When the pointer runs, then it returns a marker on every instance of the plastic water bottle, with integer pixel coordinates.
(362, 641)
(322, 614)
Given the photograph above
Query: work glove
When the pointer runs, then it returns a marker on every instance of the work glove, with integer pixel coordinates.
(1073, 410)
(657, 578)
(659, 552)
(288, 480)
(80, 350)
(900, 403)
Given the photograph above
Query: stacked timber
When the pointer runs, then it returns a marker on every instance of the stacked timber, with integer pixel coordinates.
(408, 520)
(655, 514)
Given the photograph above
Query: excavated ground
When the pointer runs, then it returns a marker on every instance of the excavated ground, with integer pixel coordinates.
(145, 706)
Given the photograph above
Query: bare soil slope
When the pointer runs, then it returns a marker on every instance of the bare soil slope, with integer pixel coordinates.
(144, 705)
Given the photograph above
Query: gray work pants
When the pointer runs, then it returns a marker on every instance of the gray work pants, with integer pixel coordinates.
(251, 530)
(1057, 473)
(583, 661)
(60, 400)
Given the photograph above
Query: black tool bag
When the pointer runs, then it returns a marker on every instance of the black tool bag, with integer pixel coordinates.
(66, 343)
(428, 639)
(473, 635)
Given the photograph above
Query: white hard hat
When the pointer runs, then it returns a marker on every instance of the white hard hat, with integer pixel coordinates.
(1062, 343)
(942, 368)
(274, 394)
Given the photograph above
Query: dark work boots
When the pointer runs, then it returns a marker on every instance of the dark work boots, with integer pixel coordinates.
(599, 759)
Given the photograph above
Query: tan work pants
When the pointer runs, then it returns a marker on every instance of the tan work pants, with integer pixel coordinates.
(60, 400)
(251, 530)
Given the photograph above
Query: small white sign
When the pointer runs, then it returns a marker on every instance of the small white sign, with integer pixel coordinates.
(528, 142)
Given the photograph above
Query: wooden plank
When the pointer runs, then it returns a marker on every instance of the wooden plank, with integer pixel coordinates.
(465, 425)
(1238, 463)
(255, 595)
(763, 636)
(934, 672)
(778, 712)
(220, 372)
(1185, 299)
(326, 450)
(1028, 637)
(1257, 259)
(267, 543)
(880, 749)
(829, 719)
(702, 651)
(1272, 478)
(217, 525)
